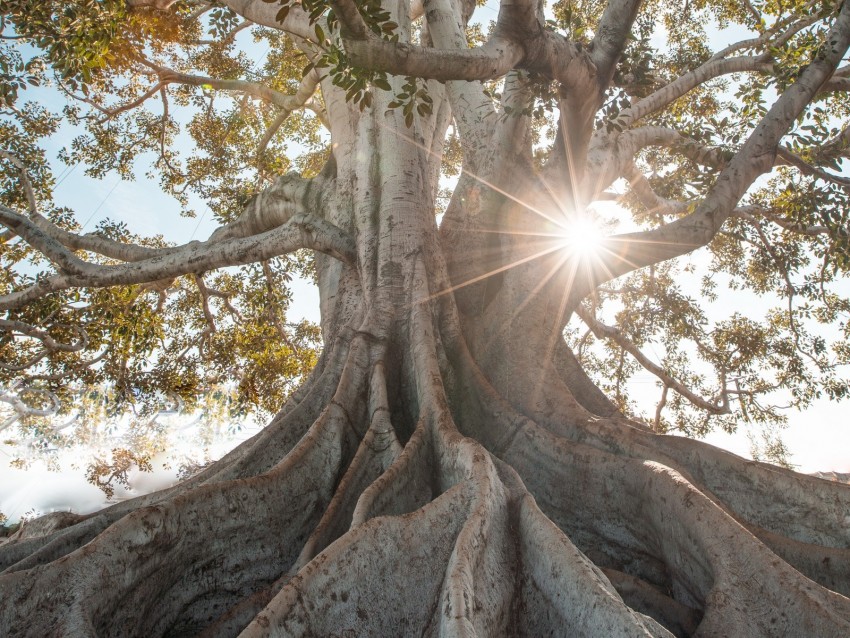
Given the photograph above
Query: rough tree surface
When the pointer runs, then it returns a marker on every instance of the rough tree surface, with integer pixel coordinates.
(448, 468)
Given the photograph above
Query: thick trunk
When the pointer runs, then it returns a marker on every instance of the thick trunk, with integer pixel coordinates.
(471, 518)
(418, 485)
(447, 469)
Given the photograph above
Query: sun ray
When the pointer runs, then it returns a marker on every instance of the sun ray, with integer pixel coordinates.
(477, 178)
(543, 281)
(490, 273)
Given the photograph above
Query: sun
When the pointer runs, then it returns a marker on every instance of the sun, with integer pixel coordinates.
(582, 237)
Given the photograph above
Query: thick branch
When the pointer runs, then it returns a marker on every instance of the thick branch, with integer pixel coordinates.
(635, 250)
(611, 37)
(492, 60)
(689, 81)
(296, 22)
(302, 231)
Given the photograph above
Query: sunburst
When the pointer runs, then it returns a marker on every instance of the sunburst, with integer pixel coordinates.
(582, 238)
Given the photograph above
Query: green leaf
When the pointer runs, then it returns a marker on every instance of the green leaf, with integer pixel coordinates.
(282, 13)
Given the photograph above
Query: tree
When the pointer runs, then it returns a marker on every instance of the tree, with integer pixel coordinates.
(449, 467)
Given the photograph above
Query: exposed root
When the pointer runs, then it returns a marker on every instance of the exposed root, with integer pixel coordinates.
(679, 619)
(827, 566)
(483, 524)
(174, 567)
(377, 450)
(398, 562)
(249, 459)
(43, 549)
(650, 521)
(562, 592)
(804, 518)
(376, 453)
(805, 508)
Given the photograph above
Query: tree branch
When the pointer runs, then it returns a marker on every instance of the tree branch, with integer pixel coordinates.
(748, 213)
(607, 332)
(297, 21)
(300, 98)
(631, 251)
(765, 38)
(670, 93)
(807, 169)
(22, 409)
(301, 231)
(290, 102)
(489, 61)
(29, 192)
(49, 342)
(111, 112)
(611, 37)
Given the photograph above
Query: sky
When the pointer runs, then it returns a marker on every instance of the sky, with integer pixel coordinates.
(819, 439)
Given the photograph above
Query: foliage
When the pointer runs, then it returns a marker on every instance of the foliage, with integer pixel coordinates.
(180, 338)
(200, 137)
(106, 474)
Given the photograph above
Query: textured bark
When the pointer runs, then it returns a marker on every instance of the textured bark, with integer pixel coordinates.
(448, 469)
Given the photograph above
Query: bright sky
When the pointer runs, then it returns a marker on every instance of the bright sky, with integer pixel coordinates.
(819, 439)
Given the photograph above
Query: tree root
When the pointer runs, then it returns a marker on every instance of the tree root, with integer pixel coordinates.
(175, 566)
(650, 520)
(483, 523)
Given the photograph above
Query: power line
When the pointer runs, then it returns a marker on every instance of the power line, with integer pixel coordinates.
(102, 202)
(65, 174)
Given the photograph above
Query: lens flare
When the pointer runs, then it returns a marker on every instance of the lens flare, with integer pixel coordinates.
(582, 237)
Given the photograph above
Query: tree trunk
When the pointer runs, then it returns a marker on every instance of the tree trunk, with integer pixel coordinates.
(447, 469)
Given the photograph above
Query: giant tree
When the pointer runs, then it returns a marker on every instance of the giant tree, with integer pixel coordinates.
(450, 467)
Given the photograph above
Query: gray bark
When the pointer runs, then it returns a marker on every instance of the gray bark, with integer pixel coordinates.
(448, 469)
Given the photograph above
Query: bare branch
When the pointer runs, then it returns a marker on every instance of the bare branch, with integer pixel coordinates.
(25, 180)
(807, 169)
(658, 408)
(230, 34)
(110, 112)
(492, 60)
(241, 86)
(22, 409)
(633, 141)
(265, 13)
(689, 81)
(648, 197)
(607, 332)
(205, 304)
(350, 19)
(791, 28)
(753, 11)
(272, 310)
(748, 213)
(617, 161)
(49, 342)
(61, 257)
(299, 99)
